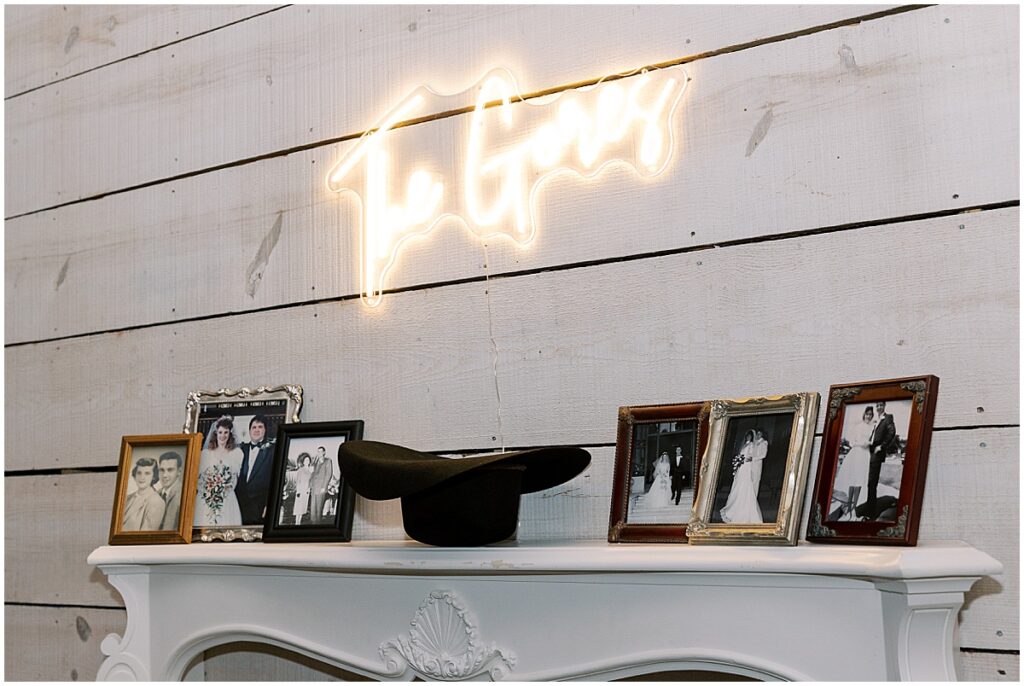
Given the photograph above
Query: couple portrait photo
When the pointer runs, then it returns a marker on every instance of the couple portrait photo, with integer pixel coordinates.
(310, 493)
(236, 462)
(752, 469)
(662, 477)
(871, 454)
(153, 493)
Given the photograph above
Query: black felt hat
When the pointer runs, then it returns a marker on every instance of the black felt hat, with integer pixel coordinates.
(456, 501)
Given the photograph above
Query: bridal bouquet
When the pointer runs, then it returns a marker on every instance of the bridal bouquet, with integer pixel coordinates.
(215, 483)
(737, 461)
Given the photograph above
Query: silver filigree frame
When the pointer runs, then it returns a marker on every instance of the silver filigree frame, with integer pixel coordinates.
(784, 530)
(292, 393)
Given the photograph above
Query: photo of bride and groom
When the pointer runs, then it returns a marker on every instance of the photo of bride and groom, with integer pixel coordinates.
(749, 487)
(870, 461)
(661, 485)
(234, 470)
(309, 496)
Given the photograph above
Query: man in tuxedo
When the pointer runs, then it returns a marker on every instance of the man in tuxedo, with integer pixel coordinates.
(323, 470)
(254, 477)
(170, 489)
(678, 470)
(883, 439)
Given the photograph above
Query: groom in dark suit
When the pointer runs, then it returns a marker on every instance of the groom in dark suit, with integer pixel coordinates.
(883, 443)
(254, 477)
(678, 470)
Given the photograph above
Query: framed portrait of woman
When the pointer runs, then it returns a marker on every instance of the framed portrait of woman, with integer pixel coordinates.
(657, 453)
(753, 477)
(155, 492)
(238, 429)
(310, 499)
(874, 455)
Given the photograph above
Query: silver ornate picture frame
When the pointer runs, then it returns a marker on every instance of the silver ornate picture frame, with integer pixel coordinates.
(221, 488)
(754, 472)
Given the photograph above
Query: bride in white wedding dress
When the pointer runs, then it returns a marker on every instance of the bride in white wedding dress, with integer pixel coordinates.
(219, 465)
(850, 487)
(741, 505)
(660, 493)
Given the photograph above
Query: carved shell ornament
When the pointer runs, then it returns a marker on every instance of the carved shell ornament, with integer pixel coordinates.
(443, 643)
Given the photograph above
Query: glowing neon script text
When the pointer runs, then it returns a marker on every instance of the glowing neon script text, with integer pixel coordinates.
(625, 120)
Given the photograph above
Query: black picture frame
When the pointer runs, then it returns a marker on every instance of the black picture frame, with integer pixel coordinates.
(339, 527)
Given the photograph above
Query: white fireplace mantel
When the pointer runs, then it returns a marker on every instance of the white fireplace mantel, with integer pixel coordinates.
(396, 611)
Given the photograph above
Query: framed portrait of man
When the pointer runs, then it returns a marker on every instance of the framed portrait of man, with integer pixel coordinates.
(239, 429)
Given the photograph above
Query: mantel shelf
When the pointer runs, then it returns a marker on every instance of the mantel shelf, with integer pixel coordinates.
(930, 559)
(543, 611)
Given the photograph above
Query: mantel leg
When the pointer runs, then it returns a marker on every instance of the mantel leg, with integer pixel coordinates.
(921, 627)
(129, 657)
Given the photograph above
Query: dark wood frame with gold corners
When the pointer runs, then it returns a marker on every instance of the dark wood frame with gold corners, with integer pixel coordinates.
(619, 530)
(193, 444)
(923, 391)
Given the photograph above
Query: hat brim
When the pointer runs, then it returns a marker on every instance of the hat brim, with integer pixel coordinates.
(381, 471)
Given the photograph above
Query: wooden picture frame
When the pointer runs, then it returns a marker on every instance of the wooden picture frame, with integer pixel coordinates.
(754, 473)
(871, 473)
(644, 432)
(240, 517)
(311, 503)
(155, 473)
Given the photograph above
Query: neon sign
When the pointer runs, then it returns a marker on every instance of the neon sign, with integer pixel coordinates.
(506, 153)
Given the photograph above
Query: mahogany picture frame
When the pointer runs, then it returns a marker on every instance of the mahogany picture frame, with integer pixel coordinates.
(843, 516)
(620, 528)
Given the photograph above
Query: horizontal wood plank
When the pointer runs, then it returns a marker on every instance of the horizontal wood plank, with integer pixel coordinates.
(274, 219)
(761, 319)
(989, 666)
(310, 73)
(46, 43)
(53, 523)
(971, 487)
(56, 643)
(569, 347)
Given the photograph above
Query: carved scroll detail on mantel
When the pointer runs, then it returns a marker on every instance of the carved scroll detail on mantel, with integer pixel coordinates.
(122, 663)
(443, 643)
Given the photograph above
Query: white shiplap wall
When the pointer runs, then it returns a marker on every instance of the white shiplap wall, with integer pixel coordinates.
(843, 206)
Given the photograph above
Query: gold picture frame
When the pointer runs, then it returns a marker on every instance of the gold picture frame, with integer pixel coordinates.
(154, 473)
(771, 437)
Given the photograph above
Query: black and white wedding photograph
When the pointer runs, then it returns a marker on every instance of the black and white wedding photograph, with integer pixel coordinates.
(752, 469)
(309, 499)
(872, 451)
(661, 481)
(310, 493)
